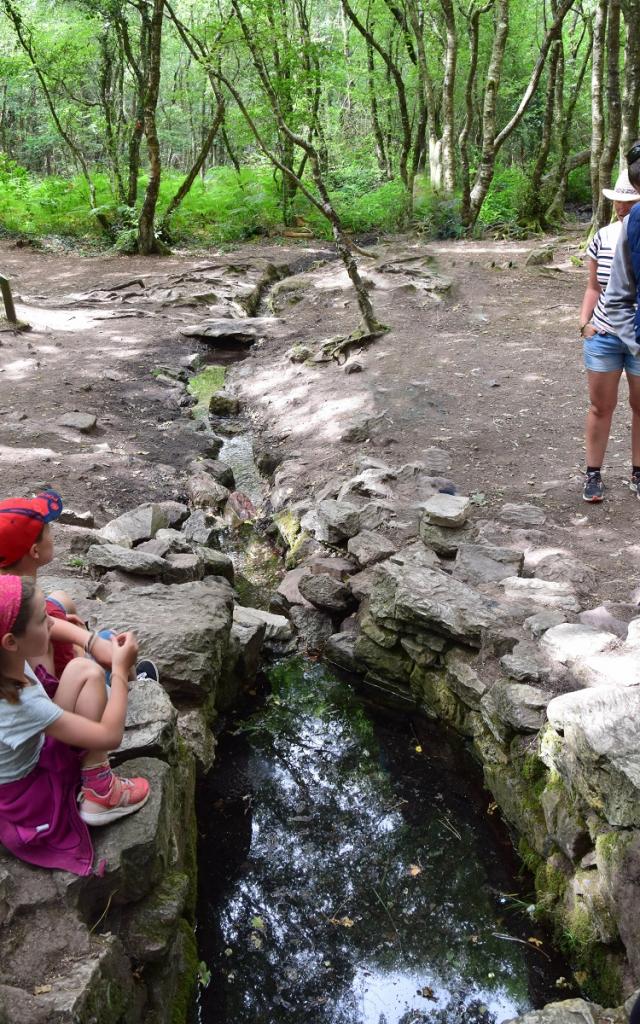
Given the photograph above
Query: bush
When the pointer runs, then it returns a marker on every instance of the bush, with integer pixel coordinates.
(507, 198)
(436, 215)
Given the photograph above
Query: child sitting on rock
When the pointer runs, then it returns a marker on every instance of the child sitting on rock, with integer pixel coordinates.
(26, 545)
(55, 776)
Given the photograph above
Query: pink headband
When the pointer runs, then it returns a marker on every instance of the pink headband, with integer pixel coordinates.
(10, 601)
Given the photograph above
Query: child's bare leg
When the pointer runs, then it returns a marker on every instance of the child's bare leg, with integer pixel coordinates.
(82, 690)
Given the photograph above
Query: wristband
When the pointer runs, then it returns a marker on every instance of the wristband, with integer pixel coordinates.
(93, 636)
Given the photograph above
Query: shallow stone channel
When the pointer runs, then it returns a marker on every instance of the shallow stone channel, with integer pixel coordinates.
(350, 873)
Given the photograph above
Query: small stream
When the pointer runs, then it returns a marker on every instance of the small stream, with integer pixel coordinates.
(350, 872)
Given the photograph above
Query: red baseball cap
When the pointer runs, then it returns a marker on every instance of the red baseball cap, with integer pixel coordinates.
(21, 522)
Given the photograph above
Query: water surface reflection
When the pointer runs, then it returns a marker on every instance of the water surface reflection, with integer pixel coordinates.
(350, 875)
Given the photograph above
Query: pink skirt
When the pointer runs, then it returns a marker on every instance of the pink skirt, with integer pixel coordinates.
(39, 820)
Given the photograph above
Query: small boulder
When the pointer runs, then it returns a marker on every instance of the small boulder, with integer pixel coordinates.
(202, 528)
(522, 515)
(340, 650)
(221, 404)
(332, 521)
(183, 568)
(216, 563)
(220, 471)
(368, 548)
(71, 518)
(150, 724)
(314, 627)
(323, 591)
(519, 706)
(205, 492)
(103, 557)
(132, 527)
(483, 563)
(84, 422)
(539, 257)
(277, 628)
(448, 510)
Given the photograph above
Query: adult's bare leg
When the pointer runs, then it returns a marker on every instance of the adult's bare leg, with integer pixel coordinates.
(634, 401)
(603, 398)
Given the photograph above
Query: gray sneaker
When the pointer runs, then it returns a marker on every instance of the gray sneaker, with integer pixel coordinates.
(593, 489)
(634, 484)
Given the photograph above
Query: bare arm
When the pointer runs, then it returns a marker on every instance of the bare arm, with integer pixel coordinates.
(63, 631)
(591, 296)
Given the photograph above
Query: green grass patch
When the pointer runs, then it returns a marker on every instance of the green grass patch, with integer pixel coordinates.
(204, 385)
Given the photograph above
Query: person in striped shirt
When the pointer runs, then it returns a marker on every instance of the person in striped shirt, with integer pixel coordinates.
(605, 354)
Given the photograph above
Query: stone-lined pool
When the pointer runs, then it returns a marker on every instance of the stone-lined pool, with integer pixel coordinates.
(350, 872)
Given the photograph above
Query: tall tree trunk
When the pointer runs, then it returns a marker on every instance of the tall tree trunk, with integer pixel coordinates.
(473, 29)
(631, 90)
(536, 203)
(448, 91)
(610, 148)
(381, 153)
(147, 242)
(597, 104)
(560, 177)
(484, 176)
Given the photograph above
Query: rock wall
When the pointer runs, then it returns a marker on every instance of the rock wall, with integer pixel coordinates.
(545, 689)
(119, 947)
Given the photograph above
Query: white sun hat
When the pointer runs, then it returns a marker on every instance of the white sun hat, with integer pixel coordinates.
(623, 191)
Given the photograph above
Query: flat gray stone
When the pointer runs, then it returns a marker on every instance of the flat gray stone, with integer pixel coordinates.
(522, 515)
(463, 678)
(569, 1011)
(276, 626)
(104, 557)
(175, 513)
(69, 517)
(325, 592)
(448, 510)
(184, 629)
(216, 563)
(242, 332)
(83, 421)
(543, 593)
(202, 527)
(198, 737)
(139, 524)
(183, 568)
(444, 541)
(332, 521)
(519, 706)
(150, 724)
(526, 663)
(314, 627)
(340, 650)
(425, 598)
(569, 642)
(542, 621)
(484, 563)
(368, 548)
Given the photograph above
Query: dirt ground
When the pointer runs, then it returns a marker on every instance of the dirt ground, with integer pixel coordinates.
(491, 373)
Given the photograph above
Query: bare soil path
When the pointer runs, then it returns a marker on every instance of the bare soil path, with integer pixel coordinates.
(492, 374)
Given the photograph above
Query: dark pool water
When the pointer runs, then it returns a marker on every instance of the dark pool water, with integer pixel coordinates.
(350, 872)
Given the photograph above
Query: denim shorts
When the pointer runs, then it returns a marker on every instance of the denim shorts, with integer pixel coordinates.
(605, 353)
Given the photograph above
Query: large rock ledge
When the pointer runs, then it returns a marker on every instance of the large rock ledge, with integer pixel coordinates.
(120, 948)
(486, 625)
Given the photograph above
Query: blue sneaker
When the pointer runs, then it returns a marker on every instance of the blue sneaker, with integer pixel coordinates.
(593, 489)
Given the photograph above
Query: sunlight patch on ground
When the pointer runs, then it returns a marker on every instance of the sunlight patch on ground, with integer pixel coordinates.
(43, 319)
(19, 368)
(330, 418)
(14, 455)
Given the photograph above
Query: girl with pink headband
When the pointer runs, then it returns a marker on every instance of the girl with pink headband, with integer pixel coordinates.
(55, 776)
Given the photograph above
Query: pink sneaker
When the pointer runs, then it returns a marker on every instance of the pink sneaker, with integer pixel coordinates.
(124, 797)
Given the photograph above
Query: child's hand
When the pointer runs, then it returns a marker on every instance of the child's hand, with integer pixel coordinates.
(124, 652)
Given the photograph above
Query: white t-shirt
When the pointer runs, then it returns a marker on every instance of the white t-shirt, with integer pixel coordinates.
(22, 728)
(602, 248)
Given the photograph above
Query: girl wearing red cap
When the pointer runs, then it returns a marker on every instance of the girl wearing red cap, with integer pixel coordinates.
(55, 776)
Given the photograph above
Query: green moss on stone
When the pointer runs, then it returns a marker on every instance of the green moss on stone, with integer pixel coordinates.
(288, 526)
(205, 384)
(187, 977)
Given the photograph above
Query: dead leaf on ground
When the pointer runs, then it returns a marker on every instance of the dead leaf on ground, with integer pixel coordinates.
(427, 992)
(492, 808)
(39, 990)
(344, 922)
(535, 942)
(414, 869)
